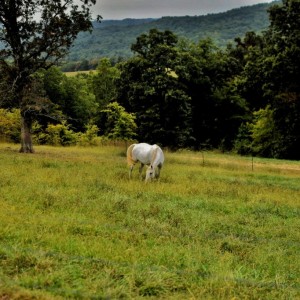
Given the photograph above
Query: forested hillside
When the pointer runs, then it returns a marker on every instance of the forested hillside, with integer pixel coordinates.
(114, 38)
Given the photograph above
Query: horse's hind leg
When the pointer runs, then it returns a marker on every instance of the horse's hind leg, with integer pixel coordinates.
(130, 171)
(141, 170)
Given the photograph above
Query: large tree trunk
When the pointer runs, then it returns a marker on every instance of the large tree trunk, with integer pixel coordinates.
(26, 140)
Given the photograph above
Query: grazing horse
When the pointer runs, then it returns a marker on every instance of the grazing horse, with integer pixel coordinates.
(146, 154)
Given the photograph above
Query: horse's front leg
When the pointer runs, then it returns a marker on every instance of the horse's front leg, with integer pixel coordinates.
(157, 174)
(141, 170)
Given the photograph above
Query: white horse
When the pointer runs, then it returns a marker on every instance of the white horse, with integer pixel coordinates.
(146, 154)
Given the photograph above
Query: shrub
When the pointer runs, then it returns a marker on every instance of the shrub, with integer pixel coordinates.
(10, 125)
(89, 137)
(60, 134)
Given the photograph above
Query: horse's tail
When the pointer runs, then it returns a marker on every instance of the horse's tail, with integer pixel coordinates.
(130, 160)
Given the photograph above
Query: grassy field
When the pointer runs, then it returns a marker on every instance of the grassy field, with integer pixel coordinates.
(215, 226)
(72, 74)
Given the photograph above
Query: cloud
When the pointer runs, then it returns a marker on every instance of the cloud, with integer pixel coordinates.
(120, 9)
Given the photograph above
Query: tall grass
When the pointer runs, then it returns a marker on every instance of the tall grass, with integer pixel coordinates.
(215, 226)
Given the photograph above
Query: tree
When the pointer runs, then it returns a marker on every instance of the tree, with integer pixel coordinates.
(105, 90)
(104, 82)
(73, 96)
(283, 86)
(120, 125)
(216, 108)
(269, 82)
(79, 101)
(36, 34)
(248, 65)
(149, 87)
(263, 133)
(270, 78)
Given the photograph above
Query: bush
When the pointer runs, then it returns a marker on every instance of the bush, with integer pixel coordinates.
(60, 134)
(258, 137)
(89, 137)
(10, 125)
(243, 142)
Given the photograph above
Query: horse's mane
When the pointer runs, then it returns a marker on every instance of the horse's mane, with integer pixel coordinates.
(130, 160)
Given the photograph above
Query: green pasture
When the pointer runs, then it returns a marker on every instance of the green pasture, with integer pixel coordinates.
(75, 73)
(214, 226)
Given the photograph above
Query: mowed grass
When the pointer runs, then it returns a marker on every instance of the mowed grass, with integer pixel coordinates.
(214, 226)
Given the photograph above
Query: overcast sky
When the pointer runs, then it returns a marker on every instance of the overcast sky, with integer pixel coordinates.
(121, 9)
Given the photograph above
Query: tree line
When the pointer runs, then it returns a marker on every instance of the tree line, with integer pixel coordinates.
(181, 94)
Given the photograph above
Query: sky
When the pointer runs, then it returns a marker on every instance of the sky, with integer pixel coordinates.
(140, 9)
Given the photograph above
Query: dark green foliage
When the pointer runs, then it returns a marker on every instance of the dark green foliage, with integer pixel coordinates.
(270, 76)
(263, 133)
(283, 86)
(150, 88)
(73, 95)
(216, 108)
(120, 125)
(103, 82)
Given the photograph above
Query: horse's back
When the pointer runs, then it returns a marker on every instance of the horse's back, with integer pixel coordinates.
(145, 153)
(142, 152)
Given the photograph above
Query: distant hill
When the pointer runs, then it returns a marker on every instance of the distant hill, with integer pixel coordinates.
(113, 38)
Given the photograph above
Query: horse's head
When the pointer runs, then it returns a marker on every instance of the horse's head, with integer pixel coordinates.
(150, 173)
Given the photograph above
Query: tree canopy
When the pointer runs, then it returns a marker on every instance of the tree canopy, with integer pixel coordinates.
(269, 80)
(36, 34)
(149, 87)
